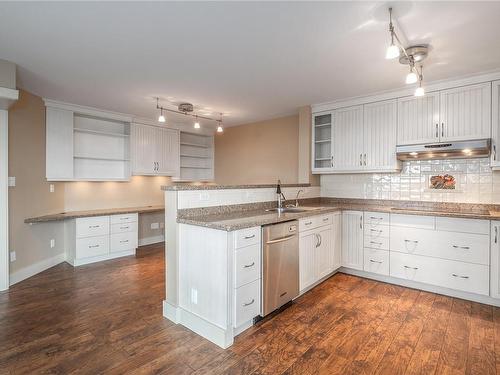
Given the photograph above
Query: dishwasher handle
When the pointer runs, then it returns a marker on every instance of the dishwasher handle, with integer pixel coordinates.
(282, 239)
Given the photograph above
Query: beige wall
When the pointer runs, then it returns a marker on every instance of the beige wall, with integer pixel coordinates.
(31, 196)
(260, 152)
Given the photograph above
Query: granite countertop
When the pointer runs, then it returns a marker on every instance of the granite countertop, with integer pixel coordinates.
(178, 187)
(77, 214)
(257, 217)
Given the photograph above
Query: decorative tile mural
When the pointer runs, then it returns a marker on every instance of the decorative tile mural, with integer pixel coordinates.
(442, 181)
(474, 182)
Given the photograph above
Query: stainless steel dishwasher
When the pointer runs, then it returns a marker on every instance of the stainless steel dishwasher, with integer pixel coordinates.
(280, 270)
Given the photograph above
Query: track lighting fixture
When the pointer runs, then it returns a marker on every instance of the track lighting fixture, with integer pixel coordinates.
(186, 109)
(412, 56)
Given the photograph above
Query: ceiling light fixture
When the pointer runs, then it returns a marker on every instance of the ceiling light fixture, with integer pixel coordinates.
(186, 109)
(411, 56)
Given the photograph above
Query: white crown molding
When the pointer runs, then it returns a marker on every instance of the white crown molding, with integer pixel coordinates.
(8, 97)
(408, 91)
(88, 111)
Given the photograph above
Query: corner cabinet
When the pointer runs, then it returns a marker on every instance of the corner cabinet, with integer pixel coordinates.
(495, 125)
(155, 151)
(357, 139)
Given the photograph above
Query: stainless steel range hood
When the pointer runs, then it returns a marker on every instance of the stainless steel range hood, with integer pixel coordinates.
(445, 150)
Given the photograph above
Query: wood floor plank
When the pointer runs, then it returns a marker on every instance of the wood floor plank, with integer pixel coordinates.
(481, 355)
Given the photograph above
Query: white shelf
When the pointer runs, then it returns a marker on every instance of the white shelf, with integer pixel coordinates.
(194, 145)
(99, 158)
(322, 125)
(195, 156)
(321, 159)
(323, 141)
(98, 132)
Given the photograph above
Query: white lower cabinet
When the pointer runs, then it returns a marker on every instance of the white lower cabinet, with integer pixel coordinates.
(495, 260)
(93, 239)
(352, 239)
(319, 248)
(376, 261)
(246, 303)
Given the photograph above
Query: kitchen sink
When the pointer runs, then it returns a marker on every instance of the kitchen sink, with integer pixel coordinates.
(293, 209)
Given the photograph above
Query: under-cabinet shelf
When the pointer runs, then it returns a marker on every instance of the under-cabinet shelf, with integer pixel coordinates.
(99, 158)
(322, 125)
(194, 145)
(195, 156)
(99, 132)
(323, 141)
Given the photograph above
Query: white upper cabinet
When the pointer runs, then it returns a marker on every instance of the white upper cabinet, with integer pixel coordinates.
(379, 136)
(59, 144)
(348, 139)
(495, 125)
(418, 119)
(465, 113)
(155, 151)
(322, 141)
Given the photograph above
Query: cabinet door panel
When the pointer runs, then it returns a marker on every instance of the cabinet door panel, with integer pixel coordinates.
(352, 239)
(418, 119)
(308, 244)
(495, 126)
(379, 135)
(143, 142)
(465, 113)
(324, 256)
(322, 141)
(167, 152)
(59, 144)
(348, 139)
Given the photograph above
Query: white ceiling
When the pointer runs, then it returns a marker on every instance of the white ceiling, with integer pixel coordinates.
(251, 60)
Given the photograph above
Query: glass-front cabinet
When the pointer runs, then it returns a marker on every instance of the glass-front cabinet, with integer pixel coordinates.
(322, 139)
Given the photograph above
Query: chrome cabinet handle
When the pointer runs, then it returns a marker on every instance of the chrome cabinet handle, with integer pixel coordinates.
(494, 152)
(332, 161)
(308, 223)
(462, 277)
(442, 129)
(92, 246)
(317, 240)
(320, 240)
(124, 218)
(124, 227)
(248, 237)
(365, 160)
(376, 261)
(437, 130)
(375, 230)
(249, 303)
(360, 159)
(496, 234)
(461, 247)
(376, 218)
(249, 265)
(411, 268)
(93, 226)
(414, 241)
(154, 166)
(361, 222)
(124, 241)
(282, 239)
(325, 219)
(375, 243)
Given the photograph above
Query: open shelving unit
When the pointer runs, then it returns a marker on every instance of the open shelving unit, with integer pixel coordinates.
(322, 140)
(101, 149)
(196, 157)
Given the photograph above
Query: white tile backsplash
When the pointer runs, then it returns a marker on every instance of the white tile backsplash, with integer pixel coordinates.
(476, 183)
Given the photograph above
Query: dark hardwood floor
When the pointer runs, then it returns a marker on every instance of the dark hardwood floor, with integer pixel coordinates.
(106, 318)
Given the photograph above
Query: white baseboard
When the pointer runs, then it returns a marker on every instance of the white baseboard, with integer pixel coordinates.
(100, 258)
(426, 287)
(33, 269)
(151, 240)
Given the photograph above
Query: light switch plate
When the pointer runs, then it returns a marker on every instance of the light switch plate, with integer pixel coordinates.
(12, 181)
(51, 188)
(52, 243)
(12, 256)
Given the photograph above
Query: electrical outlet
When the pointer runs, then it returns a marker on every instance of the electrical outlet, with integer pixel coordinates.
(52, 188)
(12, 256)
(52, 243)
(194, 296)
(162, 225)
(12, 181)
(155, 225)
(204, 196)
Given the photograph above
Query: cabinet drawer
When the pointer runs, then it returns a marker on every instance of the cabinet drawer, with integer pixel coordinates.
(92, 226)
(122, 242)
(92, 246)
(125, 218)
(246, 303)
(472, 278)
(377, 231)
(376, 261)
(123, 228)
(464, 247)
(376, 218)
(315, 222)
(246, 237)
(413, 221)
(247, 265)
(463, 225)
(381, 243)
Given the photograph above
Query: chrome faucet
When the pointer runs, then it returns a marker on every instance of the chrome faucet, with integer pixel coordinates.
(281, 196)
(297, 197)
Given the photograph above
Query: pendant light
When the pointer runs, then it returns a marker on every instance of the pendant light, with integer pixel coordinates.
(161, 118)
(220, 129)
(196, 123)
(411, 77)
(420, 91)
(393, 50)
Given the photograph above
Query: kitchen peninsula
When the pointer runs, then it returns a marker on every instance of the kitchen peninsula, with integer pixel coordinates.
(214, 249)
